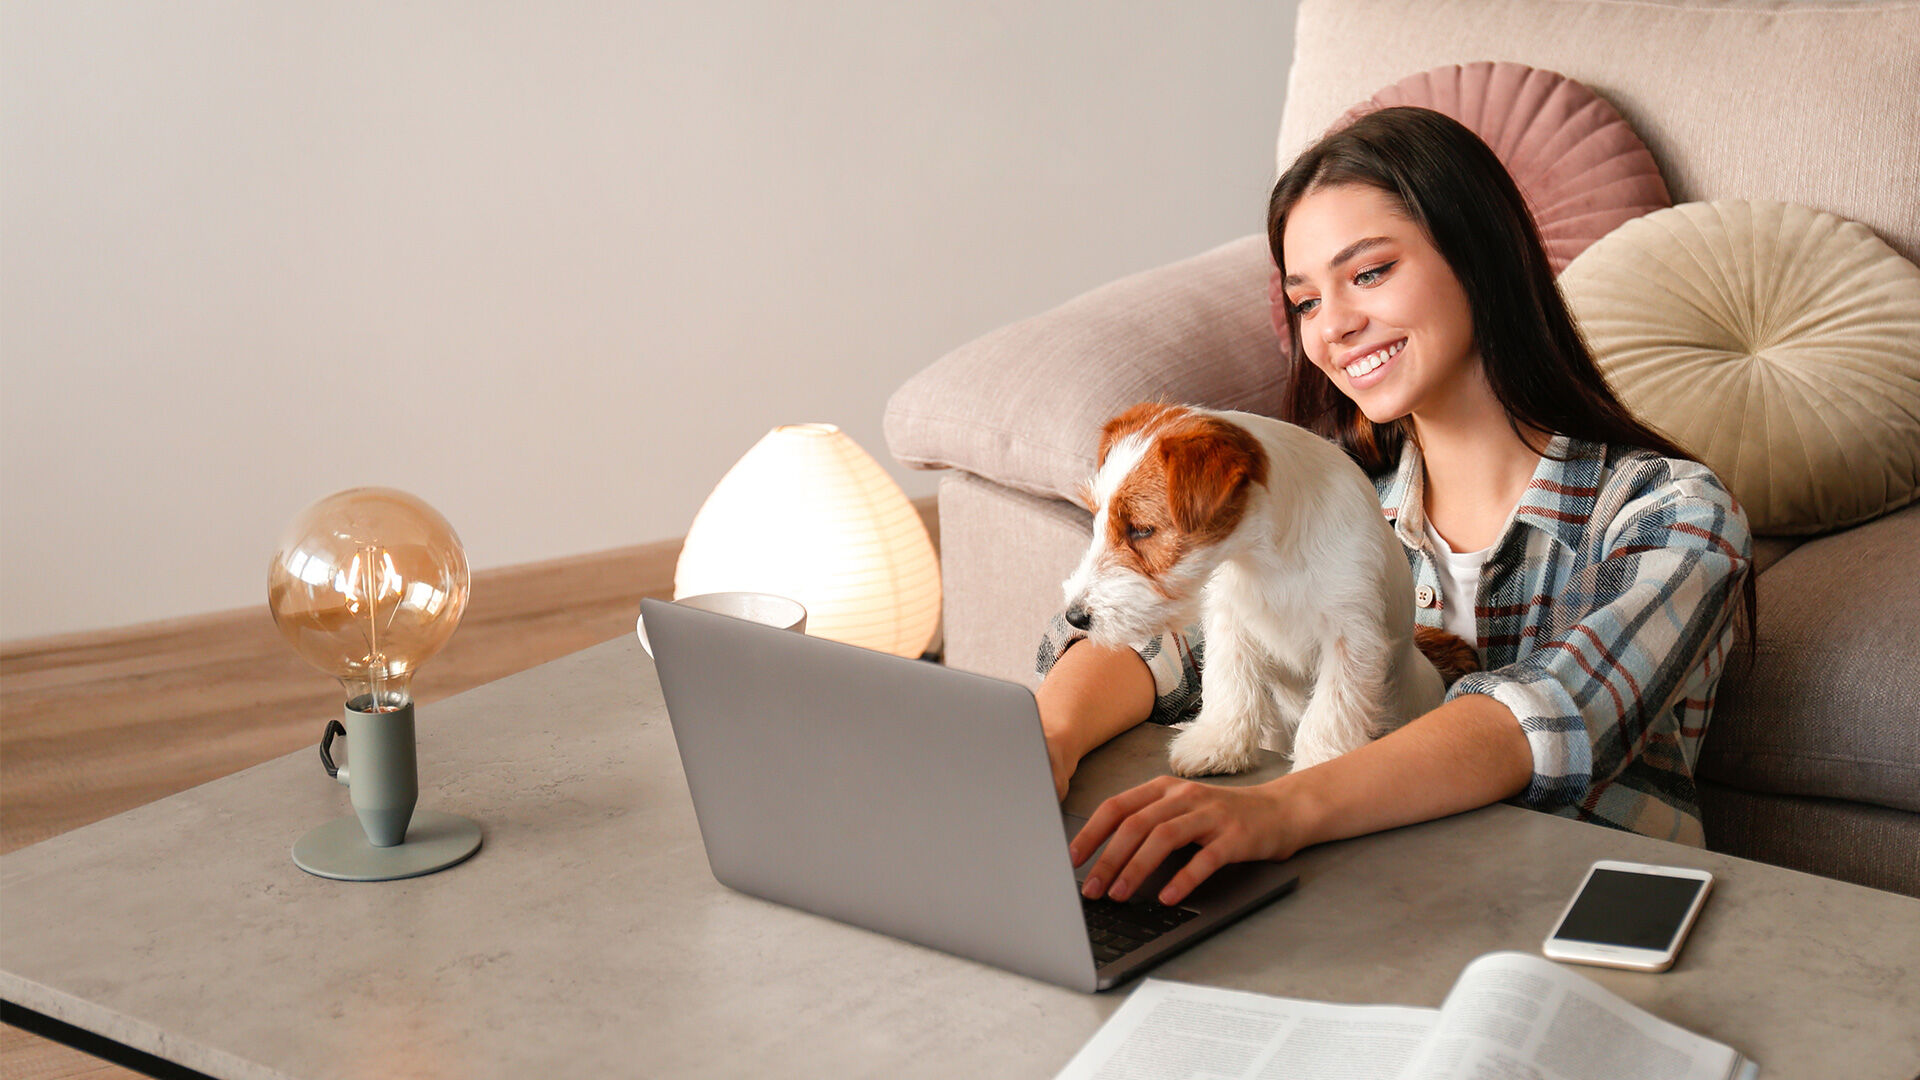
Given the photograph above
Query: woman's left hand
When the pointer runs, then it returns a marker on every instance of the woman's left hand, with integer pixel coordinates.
(1163, 815)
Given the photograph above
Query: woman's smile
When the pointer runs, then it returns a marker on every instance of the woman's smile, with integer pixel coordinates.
(1367, 366)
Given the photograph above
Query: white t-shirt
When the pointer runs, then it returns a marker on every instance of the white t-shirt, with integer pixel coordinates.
(1459, 587)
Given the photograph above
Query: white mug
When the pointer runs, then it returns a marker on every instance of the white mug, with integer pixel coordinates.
(777, 611)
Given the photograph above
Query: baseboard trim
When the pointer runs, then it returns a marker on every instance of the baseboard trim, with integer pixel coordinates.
(502, 595)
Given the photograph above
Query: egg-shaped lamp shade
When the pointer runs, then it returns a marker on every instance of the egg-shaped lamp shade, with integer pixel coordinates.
(807, 514)
(366, 586)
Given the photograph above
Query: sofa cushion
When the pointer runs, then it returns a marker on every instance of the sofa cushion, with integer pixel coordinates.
(1023, 406)
(1803, 103)
(1779, 343)
(1826, 706)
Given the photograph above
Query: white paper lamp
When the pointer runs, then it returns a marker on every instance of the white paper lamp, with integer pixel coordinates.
(808, 514)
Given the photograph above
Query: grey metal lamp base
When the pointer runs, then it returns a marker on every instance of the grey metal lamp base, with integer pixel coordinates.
(339, 849)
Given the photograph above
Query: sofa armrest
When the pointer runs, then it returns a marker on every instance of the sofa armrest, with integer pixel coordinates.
(1023, 406)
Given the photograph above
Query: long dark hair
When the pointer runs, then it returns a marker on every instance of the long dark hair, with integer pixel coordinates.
(1452, 185)
(1449, 183)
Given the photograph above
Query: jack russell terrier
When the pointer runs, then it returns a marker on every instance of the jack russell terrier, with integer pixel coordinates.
(1274, 538)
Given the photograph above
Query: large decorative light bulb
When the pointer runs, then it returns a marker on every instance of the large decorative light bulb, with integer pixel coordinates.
(367, 585)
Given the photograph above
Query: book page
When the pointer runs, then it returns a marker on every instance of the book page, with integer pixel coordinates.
(1511, 1016)
(1178, 1031)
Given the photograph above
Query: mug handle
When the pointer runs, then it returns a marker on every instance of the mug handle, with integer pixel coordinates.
(334, 729)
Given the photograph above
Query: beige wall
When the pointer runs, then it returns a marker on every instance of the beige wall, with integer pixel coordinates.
(551, 267)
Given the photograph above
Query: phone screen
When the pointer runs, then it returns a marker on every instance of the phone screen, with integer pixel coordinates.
(1641, 911)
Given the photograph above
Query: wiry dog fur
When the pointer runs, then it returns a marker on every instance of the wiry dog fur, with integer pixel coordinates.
(1273, 540)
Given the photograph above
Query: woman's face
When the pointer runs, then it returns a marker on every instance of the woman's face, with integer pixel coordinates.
(1381, 312)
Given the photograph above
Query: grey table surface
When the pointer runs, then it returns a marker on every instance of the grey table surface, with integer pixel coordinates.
(587, 937)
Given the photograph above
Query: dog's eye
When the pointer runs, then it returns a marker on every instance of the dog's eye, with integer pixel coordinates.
(1139, 532)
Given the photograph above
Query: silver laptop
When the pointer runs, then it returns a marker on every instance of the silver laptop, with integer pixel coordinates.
(907, 798)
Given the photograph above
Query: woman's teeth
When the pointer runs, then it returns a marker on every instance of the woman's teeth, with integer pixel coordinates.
(1374, 359)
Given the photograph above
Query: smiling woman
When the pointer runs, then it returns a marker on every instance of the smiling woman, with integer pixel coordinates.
(1591, 561)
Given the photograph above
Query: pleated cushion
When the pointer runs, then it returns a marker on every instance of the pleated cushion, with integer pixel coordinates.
(1779, 343)
(1582, 170)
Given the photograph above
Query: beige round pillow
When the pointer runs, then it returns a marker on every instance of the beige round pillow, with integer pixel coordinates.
(1779, 343)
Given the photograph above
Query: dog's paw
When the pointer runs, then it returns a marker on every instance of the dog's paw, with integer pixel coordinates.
(1309, 750)
(1211, 749)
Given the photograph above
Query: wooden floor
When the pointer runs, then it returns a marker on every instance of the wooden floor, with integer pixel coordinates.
(95, 724)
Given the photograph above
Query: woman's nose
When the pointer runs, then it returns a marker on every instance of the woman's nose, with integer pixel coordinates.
(1339, 321)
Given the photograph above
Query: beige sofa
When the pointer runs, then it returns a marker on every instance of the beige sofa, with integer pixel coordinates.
(1813, 760)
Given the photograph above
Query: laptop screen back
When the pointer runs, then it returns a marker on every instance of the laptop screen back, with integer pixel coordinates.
(892, 794)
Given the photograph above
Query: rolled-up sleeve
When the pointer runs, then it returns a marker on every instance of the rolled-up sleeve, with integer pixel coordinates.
(1614, 651)
(1174, 659)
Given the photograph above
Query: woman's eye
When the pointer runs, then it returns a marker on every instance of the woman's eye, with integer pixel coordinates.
(1139, 532)
(1305, 307)
(1372, 274)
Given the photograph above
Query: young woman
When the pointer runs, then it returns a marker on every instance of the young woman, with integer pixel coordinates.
(1594, 562)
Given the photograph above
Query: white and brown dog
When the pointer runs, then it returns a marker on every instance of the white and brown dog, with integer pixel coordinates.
(1274, 539)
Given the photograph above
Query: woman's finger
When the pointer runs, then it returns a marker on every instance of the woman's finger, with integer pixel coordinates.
(1126, 838)
(1163, 840)
(1198, 869)
(1110, 814)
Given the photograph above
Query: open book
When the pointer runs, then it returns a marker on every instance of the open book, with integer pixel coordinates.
(1510, 1016)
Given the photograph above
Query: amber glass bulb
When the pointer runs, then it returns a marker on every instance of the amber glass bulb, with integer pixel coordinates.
(367, 585)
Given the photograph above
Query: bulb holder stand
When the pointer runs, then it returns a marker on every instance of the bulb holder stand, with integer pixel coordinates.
(385, 838)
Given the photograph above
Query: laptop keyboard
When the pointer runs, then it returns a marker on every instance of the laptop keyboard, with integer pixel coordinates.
(1118, 928)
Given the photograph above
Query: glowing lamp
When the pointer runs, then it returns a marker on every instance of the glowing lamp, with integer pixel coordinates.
(809, 515)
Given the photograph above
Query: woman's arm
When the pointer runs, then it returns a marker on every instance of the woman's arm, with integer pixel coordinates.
(1619, 681)
(1466, 754)
(1090, 695)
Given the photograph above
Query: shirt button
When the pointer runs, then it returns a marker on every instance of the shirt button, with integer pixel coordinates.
(1424, 596)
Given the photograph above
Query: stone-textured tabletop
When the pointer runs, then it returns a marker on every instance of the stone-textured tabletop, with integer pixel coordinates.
(587, 937)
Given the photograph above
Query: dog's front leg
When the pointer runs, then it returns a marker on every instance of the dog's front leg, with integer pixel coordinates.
(1348, 701)
(1236, 708)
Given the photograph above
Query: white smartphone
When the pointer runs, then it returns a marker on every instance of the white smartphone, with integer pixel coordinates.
(1629, 915)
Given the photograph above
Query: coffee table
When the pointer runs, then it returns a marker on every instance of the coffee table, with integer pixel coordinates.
(587, 938)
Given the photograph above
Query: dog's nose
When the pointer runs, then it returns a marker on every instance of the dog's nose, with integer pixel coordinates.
(1078, 618)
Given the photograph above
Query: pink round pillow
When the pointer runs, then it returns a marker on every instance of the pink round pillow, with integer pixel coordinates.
(1582, 170)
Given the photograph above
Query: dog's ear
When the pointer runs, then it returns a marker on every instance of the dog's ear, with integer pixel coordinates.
(1139, 418)
(1209, 464)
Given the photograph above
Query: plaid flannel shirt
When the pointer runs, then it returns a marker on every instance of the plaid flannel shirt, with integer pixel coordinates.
(1605, 619)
